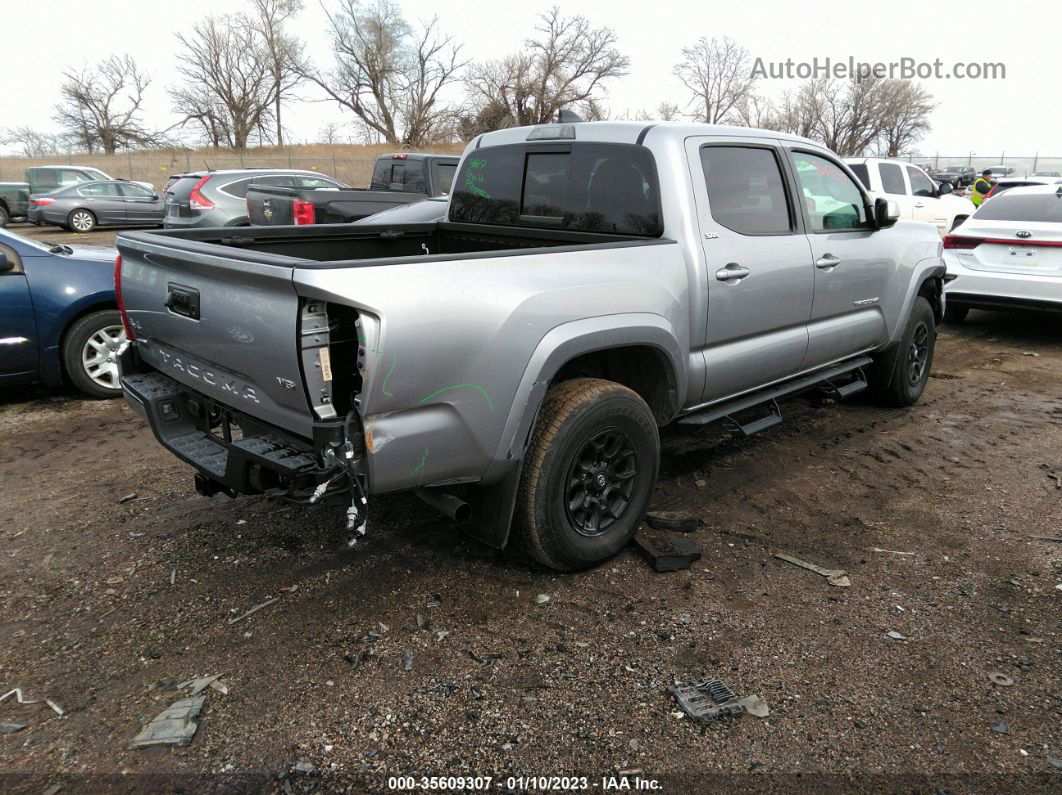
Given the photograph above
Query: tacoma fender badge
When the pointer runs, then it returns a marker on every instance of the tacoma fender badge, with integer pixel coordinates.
(866, 301)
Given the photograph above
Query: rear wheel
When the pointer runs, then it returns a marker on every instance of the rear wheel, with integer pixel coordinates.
(955, 313)
(5, 216)
(588, 475)
(90, 353)
(900, 376)
(81, 220)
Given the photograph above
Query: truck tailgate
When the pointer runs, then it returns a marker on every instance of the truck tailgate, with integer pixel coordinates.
(225, 326)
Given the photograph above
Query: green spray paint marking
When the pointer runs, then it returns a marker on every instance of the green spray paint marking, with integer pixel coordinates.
(472, 181)
(419, 468)
(477, 387)
(387, 378)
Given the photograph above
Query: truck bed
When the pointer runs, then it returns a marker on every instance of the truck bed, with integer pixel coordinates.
(270, 205)
(342, 246)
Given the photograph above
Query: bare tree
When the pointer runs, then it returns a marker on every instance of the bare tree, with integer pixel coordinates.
(330, 133)
(284, 52)
(718, 76)
(34, 143)
(101, 105)
(390, 75)
(906, 108)
(753, 110)
(230, 86)
(566, 64)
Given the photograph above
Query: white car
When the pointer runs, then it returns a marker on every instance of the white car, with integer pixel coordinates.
(909, 186)
(1007, 255)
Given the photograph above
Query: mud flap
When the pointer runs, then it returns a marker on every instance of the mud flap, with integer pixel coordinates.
(492, 509)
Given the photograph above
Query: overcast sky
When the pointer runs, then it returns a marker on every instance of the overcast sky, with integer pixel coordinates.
(1019, 115)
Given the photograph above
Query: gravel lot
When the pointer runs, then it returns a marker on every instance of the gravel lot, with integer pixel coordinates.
(105, 605)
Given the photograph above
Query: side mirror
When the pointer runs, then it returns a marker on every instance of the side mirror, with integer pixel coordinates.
(886, 213)
(155, 196)
(945, 188)
(5, 263)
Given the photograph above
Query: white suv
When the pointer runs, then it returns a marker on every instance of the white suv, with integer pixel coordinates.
(909, 186)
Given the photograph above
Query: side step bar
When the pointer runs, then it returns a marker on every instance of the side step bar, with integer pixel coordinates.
(768, 398)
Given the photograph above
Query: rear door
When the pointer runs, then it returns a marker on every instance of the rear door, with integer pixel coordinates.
(926, 205)
(18, 326)
(105, 200)
(852, 264)
(759, 272)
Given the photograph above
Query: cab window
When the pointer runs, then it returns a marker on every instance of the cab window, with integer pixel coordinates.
(921, 185)
(746, 191)
(892, 179)
(833, 200)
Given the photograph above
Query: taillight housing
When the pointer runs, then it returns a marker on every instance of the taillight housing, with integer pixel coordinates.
(129, 335)
(962, 243)
(196, 199)
(303, 212)
(41, 202)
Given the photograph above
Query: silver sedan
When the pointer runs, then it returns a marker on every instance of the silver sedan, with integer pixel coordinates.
(85, 206)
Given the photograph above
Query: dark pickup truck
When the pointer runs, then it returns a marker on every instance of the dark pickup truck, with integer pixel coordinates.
(397, 179)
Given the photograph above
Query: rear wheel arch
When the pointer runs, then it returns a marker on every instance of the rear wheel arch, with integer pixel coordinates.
(644, 369)
(932, 289)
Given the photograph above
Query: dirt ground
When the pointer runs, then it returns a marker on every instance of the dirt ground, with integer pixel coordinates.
(370, 663)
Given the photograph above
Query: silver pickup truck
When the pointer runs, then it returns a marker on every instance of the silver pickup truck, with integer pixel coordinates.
(513, 363)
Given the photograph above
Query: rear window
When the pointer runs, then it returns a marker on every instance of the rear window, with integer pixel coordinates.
(446, 176)
(1035, 207)
(892, 179)
(182, 186)
(860, 170)
(590, 187)
(406, 176)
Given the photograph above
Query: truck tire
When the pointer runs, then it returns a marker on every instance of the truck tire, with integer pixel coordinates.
(5, 216)
(955, 313)
(899, 377)
(89, 353)
(588, 475)
(81, 220)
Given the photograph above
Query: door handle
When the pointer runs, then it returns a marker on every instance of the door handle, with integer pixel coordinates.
(827, 261)
(732, 271)
(919, 206)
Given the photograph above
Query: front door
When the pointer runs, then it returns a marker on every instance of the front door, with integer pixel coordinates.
(18, 326)
(852, 264)
(142, 206)
(759, 273)
(926, 204)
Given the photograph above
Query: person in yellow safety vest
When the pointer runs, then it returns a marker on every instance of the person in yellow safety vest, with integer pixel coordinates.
(982, 185)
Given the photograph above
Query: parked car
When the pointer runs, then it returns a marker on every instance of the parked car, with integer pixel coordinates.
(1046, 174)
(918, 196)
(997, 171)
(427, 211)
(85, 206)
(1001, 185)
(397, 179)
(513, 363)
(203, 199)
(15, 196)
(60, 316)
(1008, 254)
(959, 176)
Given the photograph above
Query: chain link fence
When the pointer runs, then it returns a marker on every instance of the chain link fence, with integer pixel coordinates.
(348, 163)
(1021, 165)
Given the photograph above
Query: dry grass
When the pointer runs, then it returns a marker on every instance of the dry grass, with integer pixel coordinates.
(350, 163)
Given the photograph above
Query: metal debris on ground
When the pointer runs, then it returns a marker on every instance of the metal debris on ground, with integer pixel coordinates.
(255, 609)
(892, 633)
(673, 520)
(542, 598)
(17, 693)
(175, 725)
(200, 684)
(836, 577)
(711, 699)
(667, 553)
(890, 551)
(407, 661)
(1057, 477)
(999, 727)
(127, 498)
(1045, 538)
(11, 728)
(1001, 679)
